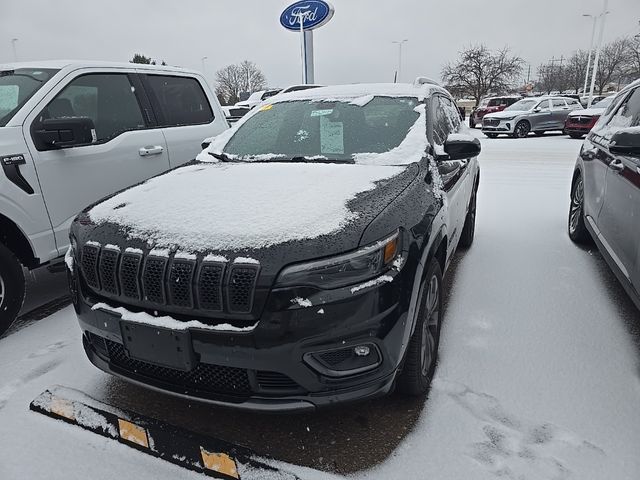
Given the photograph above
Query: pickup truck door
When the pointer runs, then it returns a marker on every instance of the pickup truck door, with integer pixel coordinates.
(128, 147)
(186, 110)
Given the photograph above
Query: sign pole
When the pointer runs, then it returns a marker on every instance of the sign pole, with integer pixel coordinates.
(309, 68)
(303, 47)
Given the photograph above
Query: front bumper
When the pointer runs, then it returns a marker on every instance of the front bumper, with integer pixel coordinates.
(273, 367)
(500, 126)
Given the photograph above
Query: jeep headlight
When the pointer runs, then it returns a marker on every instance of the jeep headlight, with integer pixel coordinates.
(342, 270)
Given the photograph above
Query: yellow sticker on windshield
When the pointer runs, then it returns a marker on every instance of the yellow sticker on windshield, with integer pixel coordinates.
(266, 107)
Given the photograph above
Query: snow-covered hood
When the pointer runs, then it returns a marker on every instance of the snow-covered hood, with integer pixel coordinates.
(506, 114)
(239, 207)
(587, 112)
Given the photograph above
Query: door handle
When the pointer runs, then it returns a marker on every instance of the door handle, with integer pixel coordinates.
(150, 150)
(616, 165)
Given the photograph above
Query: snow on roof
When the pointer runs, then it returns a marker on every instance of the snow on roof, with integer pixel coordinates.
(360, 90)
(75, 64)
(221, 206)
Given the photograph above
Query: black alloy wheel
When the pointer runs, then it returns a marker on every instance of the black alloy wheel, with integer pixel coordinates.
(522, 129)
(12, 288)
(422, 352)
(577, 230)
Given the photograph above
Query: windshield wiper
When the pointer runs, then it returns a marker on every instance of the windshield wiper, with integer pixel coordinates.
(303, 159)
(223, 157)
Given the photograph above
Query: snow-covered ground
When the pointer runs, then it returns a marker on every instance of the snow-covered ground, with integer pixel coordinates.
(538, 375)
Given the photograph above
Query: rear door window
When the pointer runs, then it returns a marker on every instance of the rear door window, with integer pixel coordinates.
(558, 103)
(107, 99)
(181, 100)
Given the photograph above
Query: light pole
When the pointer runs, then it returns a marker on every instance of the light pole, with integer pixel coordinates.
(593, 37)
(602, 17)
(399, 43)
(13, 46)
(203, 69)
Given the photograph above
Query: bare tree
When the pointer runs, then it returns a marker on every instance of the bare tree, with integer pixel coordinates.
(633, 58)
(234, 79)
(614, 60)
(479, 71)
(577, 69)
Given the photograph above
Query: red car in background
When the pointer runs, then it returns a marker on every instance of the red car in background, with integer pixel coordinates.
(490, 105)
(580, 122)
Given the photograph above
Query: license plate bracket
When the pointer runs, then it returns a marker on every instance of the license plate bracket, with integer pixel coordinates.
(159, 346)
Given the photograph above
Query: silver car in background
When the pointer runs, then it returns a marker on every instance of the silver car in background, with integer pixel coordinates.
(534, 114)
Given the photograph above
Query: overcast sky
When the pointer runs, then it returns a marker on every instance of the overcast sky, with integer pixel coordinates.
(355, 46)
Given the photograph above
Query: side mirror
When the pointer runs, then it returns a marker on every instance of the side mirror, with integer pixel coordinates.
(65, 132)
(460, 146)
(537, 110)
(626, 142)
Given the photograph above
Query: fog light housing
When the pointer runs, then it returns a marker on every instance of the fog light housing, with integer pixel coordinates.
(345, 361)
(508, 126)
(361, 350)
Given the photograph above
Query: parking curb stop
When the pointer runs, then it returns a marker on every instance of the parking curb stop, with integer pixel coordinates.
(210, 456)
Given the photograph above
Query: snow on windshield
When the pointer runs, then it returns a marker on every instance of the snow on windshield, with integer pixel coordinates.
(521, 105)
(366, 129)
(236, 206)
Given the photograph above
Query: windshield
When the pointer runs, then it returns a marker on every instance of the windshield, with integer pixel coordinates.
(18, 86)
(522, 105)
(317, 130)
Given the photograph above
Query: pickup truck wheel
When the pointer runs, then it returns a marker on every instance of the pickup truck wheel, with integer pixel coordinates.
(469, 228)
(578, 232)
(422, 352)
(11, 288)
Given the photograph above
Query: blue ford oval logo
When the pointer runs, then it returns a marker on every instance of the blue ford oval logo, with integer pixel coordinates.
(313, 13)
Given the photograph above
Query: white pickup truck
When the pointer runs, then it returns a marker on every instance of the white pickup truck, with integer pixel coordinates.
(72, 132)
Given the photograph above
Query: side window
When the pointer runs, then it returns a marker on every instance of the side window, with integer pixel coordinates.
(544, 105)
(181, 99)
(107, 99)
(628, 114)
(441, 128)
(558, 103)
(453, 114)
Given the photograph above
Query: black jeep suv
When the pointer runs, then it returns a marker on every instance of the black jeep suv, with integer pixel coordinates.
(296, 263)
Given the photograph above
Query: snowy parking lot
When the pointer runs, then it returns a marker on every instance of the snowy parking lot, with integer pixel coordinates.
(538, 374)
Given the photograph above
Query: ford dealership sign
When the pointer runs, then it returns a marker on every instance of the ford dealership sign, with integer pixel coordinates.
(314, 14)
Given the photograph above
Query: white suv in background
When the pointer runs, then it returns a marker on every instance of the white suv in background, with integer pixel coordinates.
(73, 132)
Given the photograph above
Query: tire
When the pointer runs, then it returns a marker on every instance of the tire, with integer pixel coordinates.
(576, 135)
(469, 228)
(491, 135)
(12, 288)
(539, 133)
(522, 129)
(422, 352)
(578, 232)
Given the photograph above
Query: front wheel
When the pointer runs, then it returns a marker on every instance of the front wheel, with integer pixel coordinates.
(469, 228)
(522, 129)
(577, 229)
(422, 352)
(12, 288)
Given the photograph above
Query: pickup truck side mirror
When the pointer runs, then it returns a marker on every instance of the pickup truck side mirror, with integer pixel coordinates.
(626, 142)
(64, 132)
(460, 146)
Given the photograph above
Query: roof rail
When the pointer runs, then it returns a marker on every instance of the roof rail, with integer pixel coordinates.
(425, 81)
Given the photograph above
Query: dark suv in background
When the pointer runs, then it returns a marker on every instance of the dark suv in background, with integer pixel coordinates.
(490, 105)
(296, 263)
(605, 193)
